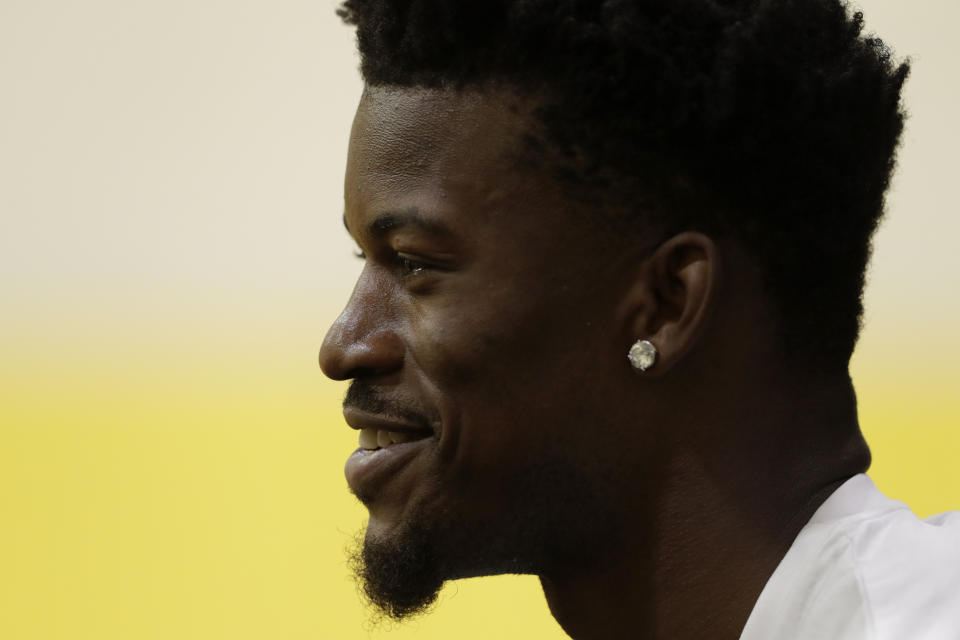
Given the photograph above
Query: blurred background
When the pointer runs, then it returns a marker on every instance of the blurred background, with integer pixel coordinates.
(171, 253)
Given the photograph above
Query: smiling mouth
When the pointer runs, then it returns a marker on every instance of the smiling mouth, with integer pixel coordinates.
(386, 447)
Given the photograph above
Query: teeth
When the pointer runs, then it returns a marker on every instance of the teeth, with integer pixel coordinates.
(376, 439)
(368, 438)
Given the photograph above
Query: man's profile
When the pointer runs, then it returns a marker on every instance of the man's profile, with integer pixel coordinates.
(614, 255)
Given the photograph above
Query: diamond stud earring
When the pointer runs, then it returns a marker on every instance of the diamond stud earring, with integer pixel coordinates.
(642, 355)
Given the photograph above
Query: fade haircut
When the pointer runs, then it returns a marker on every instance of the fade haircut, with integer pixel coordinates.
(775, 122)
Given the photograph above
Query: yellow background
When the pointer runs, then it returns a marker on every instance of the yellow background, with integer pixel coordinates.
(171, 253)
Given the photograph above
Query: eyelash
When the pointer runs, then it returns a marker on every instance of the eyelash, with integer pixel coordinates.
(408, 266)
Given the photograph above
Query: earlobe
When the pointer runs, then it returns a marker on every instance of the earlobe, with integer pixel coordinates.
(671, 301)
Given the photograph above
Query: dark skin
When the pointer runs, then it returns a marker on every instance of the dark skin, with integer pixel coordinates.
(494, 310)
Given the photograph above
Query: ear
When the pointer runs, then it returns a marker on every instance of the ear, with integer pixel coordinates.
(672, 298)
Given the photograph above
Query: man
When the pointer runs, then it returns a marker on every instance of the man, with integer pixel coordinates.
(614, 255)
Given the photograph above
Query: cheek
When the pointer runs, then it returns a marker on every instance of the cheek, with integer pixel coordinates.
(465, 353)
(508, 386)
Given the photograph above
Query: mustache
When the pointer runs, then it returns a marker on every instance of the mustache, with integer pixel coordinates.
(365, 397)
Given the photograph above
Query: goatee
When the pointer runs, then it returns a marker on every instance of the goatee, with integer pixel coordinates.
(400, 577)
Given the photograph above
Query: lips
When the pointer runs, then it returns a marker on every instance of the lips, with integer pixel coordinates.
(386, 447)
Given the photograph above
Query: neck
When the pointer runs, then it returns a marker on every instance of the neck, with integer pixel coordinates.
(697, 558)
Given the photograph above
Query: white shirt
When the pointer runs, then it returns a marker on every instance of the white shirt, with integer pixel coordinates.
(864, 568)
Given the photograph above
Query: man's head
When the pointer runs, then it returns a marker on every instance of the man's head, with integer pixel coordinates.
(534, 186)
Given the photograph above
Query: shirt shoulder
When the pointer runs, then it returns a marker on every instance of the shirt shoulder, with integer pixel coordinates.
(865, 568)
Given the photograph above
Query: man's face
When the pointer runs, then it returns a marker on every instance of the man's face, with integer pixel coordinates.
(483, 331)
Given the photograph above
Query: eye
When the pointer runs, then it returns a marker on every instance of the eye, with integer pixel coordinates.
(410, 267)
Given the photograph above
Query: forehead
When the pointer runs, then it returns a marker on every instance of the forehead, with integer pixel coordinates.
(426, 149)
(422, 131)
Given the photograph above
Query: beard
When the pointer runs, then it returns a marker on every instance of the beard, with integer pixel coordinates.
(555, 522)
(399, 577)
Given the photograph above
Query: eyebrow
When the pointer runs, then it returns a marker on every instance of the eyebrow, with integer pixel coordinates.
(389, 221)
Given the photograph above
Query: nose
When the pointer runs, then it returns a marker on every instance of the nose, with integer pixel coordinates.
(363, 340)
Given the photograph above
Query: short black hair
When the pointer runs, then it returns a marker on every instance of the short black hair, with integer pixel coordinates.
(774, 121)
